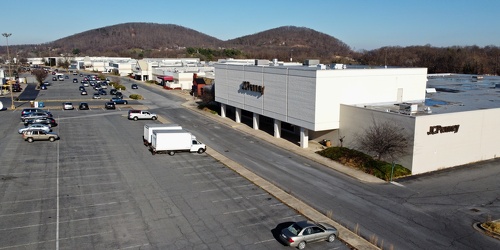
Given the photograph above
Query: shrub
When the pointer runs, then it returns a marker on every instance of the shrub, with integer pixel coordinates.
(359, 160)
(136, 97)
(117, 86)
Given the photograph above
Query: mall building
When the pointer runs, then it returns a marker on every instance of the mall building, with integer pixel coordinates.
(449, 120)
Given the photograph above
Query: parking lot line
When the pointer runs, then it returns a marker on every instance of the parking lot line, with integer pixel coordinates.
(239, 211)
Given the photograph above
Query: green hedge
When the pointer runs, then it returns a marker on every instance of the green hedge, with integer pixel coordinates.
(136, 97)
(364, 162)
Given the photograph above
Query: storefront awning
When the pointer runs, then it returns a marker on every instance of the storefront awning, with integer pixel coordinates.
(166, 78)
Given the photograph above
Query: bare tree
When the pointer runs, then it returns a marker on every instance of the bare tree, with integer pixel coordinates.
(384, 139)
(40, 75)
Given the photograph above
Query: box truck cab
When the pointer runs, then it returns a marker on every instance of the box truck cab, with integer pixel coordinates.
(173, 141)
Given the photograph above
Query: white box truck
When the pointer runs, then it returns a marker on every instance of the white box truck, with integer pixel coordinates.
(172, 141)
(149, 128)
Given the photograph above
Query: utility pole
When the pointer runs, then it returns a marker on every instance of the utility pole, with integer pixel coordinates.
(11, 82)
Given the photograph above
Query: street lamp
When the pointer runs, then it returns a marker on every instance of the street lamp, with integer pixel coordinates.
(6, 35)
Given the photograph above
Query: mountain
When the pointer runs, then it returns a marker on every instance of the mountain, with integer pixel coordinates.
(139, 40)
(292, 42)
(134, 36)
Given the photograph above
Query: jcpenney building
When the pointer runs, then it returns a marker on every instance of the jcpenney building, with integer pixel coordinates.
(340, 103)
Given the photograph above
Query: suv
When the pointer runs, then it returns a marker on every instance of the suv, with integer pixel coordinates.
(39, 135)
(141, 114)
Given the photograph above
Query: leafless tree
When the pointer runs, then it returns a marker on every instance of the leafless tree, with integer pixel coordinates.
(40, 75)
(384, 139)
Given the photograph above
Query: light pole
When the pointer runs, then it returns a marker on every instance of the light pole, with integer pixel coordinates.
(12, 106)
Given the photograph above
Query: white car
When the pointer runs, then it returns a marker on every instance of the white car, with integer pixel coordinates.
(68, 106)
(38, 126)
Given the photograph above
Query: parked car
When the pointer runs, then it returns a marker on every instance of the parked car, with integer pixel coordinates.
(135, 115)
(83, 106)
(39, 126)
(66, 77)
(113, 91)
(17, 87)
(39, 135)
(81, 88)
(33, 115)
(75, 80)
(68, 106)
(43, 87)
(85, 84)
(304, 232)
(134, 86)
(84, 92)
(109, 105)
(119, 95)
(54, 78)
(96, 96)
(118, 101)
(31, 110)
(46, 83)
(103, 92)
(45, 120)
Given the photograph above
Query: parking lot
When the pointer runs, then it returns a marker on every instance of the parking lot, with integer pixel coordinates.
(99, 187)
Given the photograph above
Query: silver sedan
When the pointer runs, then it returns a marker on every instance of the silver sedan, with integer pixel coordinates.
(303, 232)
(35, 126)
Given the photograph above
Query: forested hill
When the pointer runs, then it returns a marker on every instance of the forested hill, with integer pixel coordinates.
(142, 40)
(168, 40)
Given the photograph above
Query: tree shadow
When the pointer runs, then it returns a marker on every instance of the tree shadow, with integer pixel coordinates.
(277, 231)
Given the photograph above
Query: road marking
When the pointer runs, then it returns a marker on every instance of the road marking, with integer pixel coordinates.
(264, 241)
(397, 184)
(19, 201)
(66, 221)
(229, 199)
(290, 217)
(239, 211)
(66, 208)
(57, 198)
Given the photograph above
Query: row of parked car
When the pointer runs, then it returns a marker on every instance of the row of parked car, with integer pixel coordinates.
(38, 125)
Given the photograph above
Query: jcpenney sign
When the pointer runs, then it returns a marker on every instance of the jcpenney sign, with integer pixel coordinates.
(443, 129)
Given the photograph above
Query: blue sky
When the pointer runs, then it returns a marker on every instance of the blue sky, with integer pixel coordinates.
(361, 24)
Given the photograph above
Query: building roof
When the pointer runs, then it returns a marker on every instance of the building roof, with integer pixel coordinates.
(448, 93)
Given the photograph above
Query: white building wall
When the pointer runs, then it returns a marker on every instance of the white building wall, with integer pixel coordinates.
(477, 139)
(355, 120)
(310, 98)
(276, 83)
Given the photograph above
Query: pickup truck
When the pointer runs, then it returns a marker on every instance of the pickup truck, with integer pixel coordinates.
(141, 115)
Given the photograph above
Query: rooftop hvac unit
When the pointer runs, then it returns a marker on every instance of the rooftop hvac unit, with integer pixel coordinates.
(311, 62)
(408, 108)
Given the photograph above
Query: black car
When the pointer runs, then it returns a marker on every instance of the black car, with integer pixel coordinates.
(119, 95)
(75, 80)
(109, 105)
(113, 91)
(47, 121)
(43, 87)
(103, 92)
(134, 86)
(81, 88)
(83, 106)
(54, 78)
